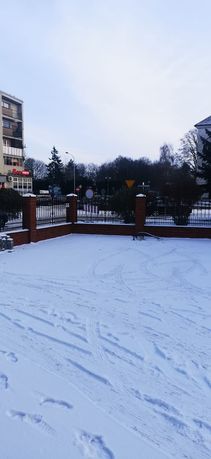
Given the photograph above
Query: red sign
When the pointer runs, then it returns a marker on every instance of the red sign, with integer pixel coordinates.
(16, 172)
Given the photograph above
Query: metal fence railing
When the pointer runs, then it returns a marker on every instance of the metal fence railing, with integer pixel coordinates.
(162, 212)
(15, 220)
(97, 211)
(51, 210)
(168, 213)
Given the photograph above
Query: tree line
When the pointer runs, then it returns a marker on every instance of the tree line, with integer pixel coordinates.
(173, 174)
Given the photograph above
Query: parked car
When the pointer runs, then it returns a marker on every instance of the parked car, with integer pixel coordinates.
(3, 219)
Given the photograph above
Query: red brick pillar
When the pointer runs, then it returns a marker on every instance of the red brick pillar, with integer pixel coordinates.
(29, 215)
(140, 212)
(71, 211)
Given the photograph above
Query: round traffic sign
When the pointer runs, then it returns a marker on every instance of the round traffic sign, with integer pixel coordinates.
(89, 193)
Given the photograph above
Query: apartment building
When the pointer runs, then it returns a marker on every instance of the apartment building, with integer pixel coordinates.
(12, 173)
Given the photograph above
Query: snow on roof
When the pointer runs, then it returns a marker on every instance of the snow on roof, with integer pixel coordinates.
(205, 122)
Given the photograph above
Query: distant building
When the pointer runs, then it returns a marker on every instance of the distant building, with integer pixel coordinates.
(12, 173)
(202, 128)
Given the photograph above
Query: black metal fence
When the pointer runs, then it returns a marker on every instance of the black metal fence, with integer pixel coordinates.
(167, 212)
(51, 210)
(163, 212)
(97, 210)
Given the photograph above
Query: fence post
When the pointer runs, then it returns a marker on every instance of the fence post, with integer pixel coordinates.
(140, 212)
(29, 215)
(71, 210)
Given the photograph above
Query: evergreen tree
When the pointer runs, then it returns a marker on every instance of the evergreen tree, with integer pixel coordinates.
(55, 168)
(205, 159)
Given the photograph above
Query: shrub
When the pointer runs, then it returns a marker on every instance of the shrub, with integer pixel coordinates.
(123, 203)
(10, 202)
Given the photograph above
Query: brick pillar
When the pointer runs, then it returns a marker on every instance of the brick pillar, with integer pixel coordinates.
(29, 215)
(140, 212)
(71, 210)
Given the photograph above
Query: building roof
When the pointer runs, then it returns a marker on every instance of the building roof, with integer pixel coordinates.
(206, 122)
(9, 96)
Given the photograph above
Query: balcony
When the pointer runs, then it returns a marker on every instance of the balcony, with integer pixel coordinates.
(11, 151)
(11, 132)
(11, 113)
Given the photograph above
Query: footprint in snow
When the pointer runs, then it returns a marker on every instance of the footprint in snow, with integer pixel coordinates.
(52, 401)
(3, 381)
(93, 446)
(10, 356)
(35, 420)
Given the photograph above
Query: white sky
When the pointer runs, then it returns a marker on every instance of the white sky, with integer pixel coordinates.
(103, 78)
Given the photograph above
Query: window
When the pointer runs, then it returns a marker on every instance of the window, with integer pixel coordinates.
(8, 161)
(13, 161)
(5, 104)
(20, 185)
(15, 182)
(6, 123)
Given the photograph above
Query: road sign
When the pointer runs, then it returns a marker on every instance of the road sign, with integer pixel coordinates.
(129, 183)
(89, 193)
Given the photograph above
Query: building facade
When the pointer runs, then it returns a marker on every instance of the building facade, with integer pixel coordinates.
(12, 173)
(203, 131)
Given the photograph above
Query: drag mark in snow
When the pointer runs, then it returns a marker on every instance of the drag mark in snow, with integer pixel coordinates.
(35, 317)
(161, 404)
(3, 381)
(36, 420)
(208, 382)
(182, 371)
(52, 401)
(76, 335)
(121, 300)
(12, 321)
(122, 348)
(59, 341)
(150, 315)
(178, 425)
(88, 291)
(202, 424)
(88, 372)
(93, 446)
(161, 353)
(112, 336)
(113, 354)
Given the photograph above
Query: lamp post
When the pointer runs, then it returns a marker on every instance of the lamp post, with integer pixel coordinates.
(107, 179)
(73, 157)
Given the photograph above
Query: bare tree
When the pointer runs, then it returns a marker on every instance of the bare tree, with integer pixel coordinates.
(91, 171)
(37, 168)
(167, 154)
(188, 150)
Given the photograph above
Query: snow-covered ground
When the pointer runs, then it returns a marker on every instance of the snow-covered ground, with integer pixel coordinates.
(105, 349)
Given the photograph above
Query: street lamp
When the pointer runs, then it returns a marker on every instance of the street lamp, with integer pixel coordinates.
(107, 191)
(68, 153)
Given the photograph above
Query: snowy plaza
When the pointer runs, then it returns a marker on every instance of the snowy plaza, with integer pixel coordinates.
(105, 349)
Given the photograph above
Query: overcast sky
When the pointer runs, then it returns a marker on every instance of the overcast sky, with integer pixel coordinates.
(100, 78)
